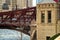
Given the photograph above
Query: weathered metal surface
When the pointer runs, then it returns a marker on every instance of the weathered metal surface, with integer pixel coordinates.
(18, 18)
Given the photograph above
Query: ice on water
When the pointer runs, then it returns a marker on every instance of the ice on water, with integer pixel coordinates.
(7, 34)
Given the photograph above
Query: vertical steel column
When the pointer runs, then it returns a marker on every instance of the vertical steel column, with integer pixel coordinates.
(27, 3)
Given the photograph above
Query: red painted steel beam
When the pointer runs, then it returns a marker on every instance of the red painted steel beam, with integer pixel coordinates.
(21, 12)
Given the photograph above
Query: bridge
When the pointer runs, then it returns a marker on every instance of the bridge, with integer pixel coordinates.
(20, 20)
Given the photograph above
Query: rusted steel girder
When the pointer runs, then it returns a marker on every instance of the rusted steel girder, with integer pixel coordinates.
(17, 18)
(22, 12)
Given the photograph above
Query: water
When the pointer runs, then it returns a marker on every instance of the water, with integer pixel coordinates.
(7, 34)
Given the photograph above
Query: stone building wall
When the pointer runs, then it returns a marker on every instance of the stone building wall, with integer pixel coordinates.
(47, 29)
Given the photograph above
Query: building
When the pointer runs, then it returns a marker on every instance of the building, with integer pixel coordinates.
(48, 19)
(6, 5)
(24, 3)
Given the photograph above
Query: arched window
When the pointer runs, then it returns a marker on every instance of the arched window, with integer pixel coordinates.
(5, 6)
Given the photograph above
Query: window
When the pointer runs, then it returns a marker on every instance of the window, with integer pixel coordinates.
(42, 17)
(49, 16)
(48, 37)
(5, 6)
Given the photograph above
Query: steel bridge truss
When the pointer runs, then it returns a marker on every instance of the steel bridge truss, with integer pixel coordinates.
(18, 19)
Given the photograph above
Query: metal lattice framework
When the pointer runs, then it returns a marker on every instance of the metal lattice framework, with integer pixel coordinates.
(18, 18)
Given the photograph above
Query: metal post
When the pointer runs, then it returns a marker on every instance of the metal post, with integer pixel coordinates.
(20, 29)
(21, 35)
(14, 4)
(27, 3)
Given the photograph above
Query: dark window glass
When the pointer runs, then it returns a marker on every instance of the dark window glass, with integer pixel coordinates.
(49, 16)
(5, 6)
(42, 17)
(48, 37)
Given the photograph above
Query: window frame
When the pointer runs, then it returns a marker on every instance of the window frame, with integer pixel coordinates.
(42, 16)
